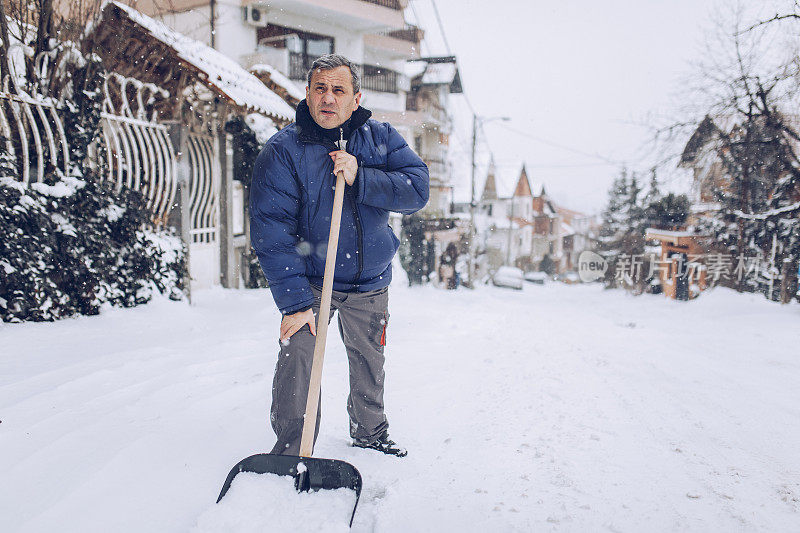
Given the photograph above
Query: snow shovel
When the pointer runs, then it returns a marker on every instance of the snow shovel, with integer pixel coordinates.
(311, 473)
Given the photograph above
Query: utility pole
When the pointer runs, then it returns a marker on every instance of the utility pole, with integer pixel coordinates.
(212, 7)
(472, 233)
(510, 232)
(472, 202)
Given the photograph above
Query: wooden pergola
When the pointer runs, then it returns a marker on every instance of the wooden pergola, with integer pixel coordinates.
(136, 46)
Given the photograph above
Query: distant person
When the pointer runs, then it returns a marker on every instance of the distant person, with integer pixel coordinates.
(290, 209)
(447, 267)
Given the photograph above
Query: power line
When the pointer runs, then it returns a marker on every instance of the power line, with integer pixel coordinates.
(563, 147)
(441, 27)
(419, 21)
(565, 165)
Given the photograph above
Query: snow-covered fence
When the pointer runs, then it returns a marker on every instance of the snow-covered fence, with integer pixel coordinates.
(33, 135)
(138, 149)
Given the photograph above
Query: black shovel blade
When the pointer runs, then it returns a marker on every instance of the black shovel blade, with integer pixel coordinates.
(318, 473)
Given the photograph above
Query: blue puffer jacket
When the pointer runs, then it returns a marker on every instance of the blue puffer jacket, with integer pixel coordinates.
(291, 201)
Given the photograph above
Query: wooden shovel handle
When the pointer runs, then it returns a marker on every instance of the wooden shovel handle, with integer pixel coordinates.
(312, 403)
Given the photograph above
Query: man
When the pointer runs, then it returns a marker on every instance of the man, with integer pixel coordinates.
(290, 208)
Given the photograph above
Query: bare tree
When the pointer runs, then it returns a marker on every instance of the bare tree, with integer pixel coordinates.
(744, 93)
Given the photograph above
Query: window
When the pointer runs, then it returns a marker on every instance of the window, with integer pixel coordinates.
(304, 47)
(298, 41)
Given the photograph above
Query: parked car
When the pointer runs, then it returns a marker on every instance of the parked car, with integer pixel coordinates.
(536, 277)
(507, 276)
(570, 278)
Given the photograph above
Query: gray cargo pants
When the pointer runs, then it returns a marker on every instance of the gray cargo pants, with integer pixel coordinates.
(363, 317)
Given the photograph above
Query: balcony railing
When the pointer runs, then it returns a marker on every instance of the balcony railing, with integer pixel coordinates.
(373, 78)
(378, 79)
(391, 4)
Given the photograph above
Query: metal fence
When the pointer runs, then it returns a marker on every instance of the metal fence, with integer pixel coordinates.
(33, 135)
(139, 154)
(137, 150)
(392, 4)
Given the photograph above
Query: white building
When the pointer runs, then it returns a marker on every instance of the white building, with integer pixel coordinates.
(520, 226)
(290, 34)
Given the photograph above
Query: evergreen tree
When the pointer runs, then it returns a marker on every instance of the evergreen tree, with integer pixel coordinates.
(670, 212)
(654, 194)
(626, 218)
(614, 216)
(636, 220)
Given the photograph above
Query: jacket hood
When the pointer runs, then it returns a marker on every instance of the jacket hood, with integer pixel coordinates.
(308, 130)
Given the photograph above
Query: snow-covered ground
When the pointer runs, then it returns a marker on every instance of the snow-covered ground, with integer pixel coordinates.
(564, 408)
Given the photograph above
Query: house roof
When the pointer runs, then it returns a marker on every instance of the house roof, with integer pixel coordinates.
(412, 69)
(567, 212)
(490, 186)
(221, 74)
(505, 185)
(439, 74)
(697, 140)
(523, 187)
(437, 71)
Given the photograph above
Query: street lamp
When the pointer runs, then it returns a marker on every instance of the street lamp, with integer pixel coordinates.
(472, 249)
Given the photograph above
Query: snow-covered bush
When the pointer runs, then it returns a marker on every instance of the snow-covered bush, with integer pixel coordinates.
(72, 243)
(69, 247)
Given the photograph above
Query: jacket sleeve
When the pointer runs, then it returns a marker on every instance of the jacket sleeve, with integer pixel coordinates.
(274, 210)
(403, 186)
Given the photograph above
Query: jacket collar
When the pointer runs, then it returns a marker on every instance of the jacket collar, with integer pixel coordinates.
(309, 131)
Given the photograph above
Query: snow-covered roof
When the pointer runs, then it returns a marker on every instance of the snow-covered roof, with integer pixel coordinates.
(439, 74)
(435, 71)
(669, 234)
(413, 69)
(566, 229)
(275, 75)
(221, 73)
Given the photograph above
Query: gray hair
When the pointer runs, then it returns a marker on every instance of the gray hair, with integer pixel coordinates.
(331, 61)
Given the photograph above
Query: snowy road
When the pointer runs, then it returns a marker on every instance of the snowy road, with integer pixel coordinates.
(561, 408)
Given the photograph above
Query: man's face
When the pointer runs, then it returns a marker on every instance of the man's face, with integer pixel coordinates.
(330, 97)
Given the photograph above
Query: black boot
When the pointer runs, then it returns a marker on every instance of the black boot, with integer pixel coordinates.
(383, 444)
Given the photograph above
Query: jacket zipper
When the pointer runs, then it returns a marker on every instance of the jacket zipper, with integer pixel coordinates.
(359, 229)
(359, 233)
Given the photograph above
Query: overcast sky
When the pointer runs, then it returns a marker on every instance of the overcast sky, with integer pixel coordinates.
(578, 79)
